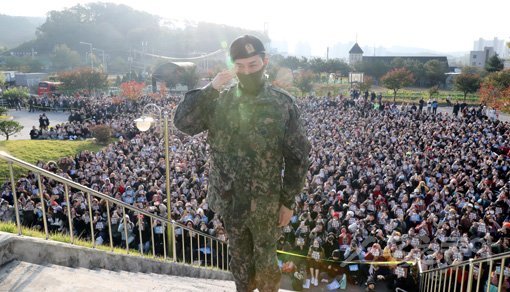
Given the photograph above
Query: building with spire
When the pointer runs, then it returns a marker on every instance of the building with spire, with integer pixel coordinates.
(355, 54)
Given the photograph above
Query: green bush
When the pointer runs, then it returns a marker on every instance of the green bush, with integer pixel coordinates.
(16, 93)
(3, 111)
(102, 134)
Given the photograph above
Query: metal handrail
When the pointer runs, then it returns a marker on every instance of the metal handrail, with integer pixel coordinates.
(439, 279)
(109, 203)
(474, 261)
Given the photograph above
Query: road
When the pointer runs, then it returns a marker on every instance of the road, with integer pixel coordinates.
(28, 120)
(448, 109)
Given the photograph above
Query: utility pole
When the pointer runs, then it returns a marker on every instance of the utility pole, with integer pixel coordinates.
(91, 60)
(130, 60)
(104, 63)
(144, 57)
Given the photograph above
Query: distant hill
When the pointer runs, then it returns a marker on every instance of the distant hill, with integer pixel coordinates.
(120, 30)
(15, 30)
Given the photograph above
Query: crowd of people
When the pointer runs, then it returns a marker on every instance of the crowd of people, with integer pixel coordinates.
(386, 183)
(400, 183)
(85, 114)
(53, 103)
(131, 169)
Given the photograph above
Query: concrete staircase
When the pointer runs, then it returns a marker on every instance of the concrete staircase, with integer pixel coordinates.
(34, 264)
(23, 276)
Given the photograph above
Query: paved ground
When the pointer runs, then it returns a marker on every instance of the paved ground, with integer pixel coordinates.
(448, 110)
(28, 120)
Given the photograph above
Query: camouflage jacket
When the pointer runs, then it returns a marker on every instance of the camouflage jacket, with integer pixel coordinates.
(253, 140)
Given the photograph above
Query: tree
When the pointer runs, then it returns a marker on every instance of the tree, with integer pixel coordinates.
(83, 78)
(495, 90)
(500, 79)
(467, 83)
(376, 68)
(397, 63)
(9, 128)
(303, 81)
(474, 70)
(318, 65)
(435, 71)
(337, 66)
(2, 79)
(397, 78)
(495, 97)
(118, 28)
(16, 94)
(366, 84)
(433, 91)
(64, 58)
(417, 68)
(494, 64)
(291, 62)
(3, 111)
(132, 90)
(23, 64)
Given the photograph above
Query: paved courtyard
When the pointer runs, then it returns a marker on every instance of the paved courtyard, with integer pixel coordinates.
(28, 120)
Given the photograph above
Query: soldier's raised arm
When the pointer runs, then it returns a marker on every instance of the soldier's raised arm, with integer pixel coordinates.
(194, 111)
(295, 151)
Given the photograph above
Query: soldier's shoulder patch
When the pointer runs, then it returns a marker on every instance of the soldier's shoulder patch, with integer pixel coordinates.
(282, 93)
(192, 91)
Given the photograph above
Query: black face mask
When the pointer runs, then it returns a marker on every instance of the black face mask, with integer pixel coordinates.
(252, 84)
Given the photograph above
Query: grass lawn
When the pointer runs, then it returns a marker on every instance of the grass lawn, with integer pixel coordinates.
(65, 238)
(10, 227)
(408, 94)
(45, 150)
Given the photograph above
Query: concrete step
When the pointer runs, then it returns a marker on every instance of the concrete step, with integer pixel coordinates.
(27, 277)
(23, 276)
(33, 264)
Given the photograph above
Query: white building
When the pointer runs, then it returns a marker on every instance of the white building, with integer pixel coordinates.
(479, 58)
(499, 46)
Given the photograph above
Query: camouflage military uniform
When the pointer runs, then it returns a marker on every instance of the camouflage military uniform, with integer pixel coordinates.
(251, 140)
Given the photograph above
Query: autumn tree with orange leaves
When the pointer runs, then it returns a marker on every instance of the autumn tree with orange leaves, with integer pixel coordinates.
(132, 90)
(396, 79)
(83, 78)
(495, 90)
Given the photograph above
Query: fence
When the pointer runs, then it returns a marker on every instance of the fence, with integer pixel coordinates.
(187, 245)
(473, 275)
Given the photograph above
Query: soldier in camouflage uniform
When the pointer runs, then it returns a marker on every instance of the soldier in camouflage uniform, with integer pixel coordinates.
(255, 134)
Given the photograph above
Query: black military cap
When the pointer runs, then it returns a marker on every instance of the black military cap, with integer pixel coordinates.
(246, 46)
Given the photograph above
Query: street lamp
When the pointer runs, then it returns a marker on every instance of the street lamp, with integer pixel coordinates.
(91, 60)
(143, 124)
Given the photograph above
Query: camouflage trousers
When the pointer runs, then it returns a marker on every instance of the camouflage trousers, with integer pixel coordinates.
(252, 248)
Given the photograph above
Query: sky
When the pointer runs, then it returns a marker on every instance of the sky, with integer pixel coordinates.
(438, 25)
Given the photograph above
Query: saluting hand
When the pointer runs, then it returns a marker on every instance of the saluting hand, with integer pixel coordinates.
(285, 215)
(222, 79)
